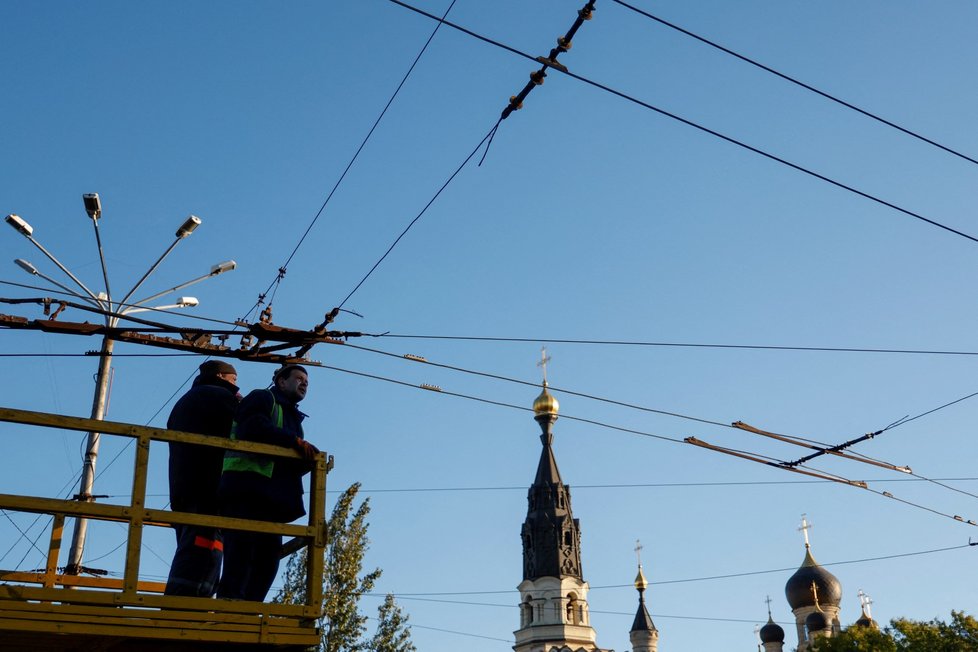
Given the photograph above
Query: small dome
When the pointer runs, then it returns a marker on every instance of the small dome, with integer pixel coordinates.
(798, 589)
(772, 633)
(866, 621)
(545, 403)
(640, 582)
(816, 622)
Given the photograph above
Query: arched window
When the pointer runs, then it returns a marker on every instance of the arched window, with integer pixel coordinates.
(572, 616)
(527, 609)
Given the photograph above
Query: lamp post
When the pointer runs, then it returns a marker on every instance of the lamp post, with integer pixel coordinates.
(114, 311)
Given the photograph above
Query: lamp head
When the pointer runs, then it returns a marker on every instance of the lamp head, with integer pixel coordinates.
(188, 226)
(26, 266)
(187, 302)
(220, 268)
(93, 205)
(18, 223)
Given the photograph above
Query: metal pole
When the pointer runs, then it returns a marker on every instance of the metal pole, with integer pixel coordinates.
(91, 455)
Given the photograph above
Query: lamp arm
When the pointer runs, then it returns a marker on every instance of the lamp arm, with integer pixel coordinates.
(65, 270)
(148, 272)
(173, 289)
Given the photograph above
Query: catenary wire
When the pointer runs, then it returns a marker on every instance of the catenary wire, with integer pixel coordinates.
(421, 213)
(797, 82)
(498, 403)
(695, 125)
(694, 345)
(484, 374)
(703, 578)
(349, 165)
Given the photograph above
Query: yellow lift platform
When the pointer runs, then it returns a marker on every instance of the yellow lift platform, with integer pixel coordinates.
(41, 611)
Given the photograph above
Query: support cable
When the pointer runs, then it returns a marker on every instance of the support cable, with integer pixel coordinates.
(692, 345)
(363, 143)
(802, 84)
(422, 212)
(704, 129)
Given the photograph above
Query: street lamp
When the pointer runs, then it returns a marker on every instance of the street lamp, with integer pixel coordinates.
(182, 302)
(30, 269)
(113, 313)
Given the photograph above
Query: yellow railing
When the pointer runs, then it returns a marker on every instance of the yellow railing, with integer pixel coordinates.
(51, 587)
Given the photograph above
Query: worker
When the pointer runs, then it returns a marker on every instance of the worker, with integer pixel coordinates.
(195, 471)
(261, 487)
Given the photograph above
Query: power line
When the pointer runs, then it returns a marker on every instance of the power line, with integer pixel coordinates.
(438, 390)
(531, 384)
(695, 125)
(692, 345)
(422, 212)
(802, 84)
(363, 143)
(702, 578)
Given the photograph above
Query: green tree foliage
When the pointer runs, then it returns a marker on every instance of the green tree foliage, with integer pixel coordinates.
(903, 635)
(392, 634)
(343, 625)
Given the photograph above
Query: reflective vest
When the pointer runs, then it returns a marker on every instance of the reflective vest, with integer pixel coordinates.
(252, 462)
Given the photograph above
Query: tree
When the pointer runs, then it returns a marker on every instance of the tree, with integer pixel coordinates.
(904, 635)
(392, 634)
(342, 625)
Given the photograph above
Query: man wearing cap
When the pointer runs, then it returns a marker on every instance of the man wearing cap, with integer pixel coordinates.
(261, 487)
(195, 471)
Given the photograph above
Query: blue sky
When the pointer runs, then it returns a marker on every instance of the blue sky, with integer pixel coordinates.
(591, 219)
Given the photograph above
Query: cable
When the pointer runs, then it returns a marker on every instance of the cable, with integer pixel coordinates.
(89, 355)
(700, 127)
(552, 340)
(423, 210)
(484, 374)
(499, 403)
(796, 82)
(704, 578)
(281, 270)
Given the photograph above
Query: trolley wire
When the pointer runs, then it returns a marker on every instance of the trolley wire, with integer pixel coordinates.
(797, 82)
(702, 128)
(693, 345)
(282, 270)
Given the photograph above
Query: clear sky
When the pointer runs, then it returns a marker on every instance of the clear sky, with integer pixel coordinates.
(591, 218)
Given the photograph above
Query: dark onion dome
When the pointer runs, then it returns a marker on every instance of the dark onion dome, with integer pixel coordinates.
(772, 632)
(816, 622)
(798, 590)
(866, 621)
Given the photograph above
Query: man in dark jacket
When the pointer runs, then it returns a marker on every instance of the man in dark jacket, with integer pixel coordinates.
(195, 471)
(261, 487)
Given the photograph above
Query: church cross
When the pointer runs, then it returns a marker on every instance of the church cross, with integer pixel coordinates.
(768, 601)
(544, 359)
(805, 527)
(638, 551)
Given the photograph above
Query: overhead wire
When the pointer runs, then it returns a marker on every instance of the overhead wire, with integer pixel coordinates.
(349, 165)
(694, 345)
(702, 578)
(483, 374)
(702, 128)
(795, 81)
(420, 214)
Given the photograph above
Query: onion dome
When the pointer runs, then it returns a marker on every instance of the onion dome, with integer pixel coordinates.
(643, 621)
(545, 404)
(771, 632)
(816, 622)
(866, 621)
(798, 589)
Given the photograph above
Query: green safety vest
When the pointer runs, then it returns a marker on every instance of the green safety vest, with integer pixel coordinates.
(252, 462)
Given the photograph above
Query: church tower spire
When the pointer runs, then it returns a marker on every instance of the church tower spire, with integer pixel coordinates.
(643, 635)
(553, 594)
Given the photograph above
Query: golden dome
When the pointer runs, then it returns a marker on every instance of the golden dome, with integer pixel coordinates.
(545, 403)
(640, 582)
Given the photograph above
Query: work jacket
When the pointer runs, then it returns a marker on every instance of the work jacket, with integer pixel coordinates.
(195, 471)
(264, 487)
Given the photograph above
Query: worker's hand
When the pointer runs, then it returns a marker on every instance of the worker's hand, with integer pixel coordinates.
(307, 450)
